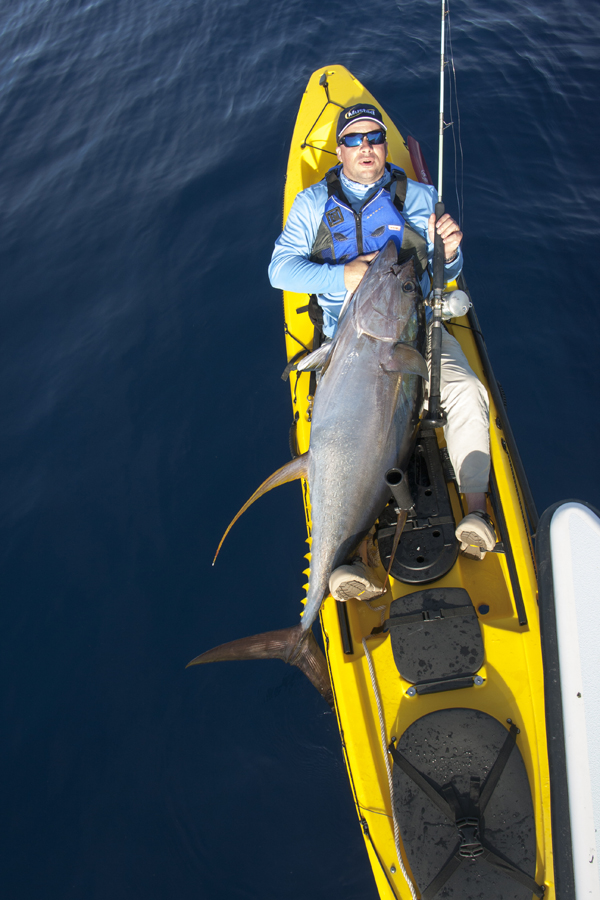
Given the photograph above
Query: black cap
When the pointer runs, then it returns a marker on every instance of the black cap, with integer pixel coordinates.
(353, 113)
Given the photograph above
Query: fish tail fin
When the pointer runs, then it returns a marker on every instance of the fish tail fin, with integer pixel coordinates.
(293, 645)
(297, 468)
(312, 662)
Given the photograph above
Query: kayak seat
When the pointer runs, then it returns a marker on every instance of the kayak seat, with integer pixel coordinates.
(436, 639)
(463, 805)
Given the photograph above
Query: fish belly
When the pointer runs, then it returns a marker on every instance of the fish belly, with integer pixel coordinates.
(364, 424)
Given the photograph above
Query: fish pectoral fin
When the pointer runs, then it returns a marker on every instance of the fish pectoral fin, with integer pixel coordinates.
(317, 359)
(297, 468)
(405, 360)
(293, 645)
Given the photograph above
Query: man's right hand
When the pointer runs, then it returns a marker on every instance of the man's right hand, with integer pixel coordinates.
(355, 271)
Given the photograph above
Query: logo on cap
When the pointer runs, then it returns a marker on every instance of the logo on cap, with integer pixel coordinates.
(360, 112)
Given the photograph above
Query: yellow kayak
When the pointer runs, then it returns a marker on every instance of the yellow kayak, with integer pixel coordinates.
(458, 721)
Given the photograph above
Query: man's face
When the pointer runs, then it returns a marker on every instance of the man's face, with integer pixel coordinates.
(364, 164)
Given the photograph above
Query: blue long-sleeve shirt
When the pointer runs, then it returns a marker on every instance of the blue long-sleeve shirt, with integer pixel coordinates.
(291, 268)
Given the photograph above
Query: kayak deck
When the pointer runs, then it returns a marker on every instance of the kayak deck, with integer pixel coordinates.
(502, 587)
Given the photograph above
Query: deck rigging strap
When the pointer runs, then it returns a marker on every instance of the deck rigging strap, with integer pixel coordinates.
(424, 615)
(386, 758)
(468, 826)
(291, 366)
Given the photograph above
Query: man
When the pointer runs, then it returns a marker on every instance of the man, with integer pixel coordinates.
(334, 229)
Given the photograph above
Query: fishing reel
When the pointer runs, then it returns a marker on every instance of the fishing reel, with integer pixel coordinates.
(455, 304)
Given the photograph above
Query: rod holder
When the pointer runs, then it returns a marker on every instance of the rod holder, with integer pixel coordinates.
(398, 485)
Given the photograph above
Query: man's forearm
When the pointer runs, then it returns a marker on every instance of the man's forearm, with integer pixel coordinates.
(290, 272)
(291, 268)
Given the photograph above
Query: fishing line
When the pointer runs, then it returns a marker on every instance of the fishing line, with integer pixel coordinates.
(456, 131)
(436, 416)
(468, 327)
(441, 122)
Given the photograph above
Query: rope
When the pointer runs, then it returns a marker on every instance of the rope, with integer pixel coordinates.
(324, 84)
(384, 746)
(379, 609)
(320, 149)
(294, 338)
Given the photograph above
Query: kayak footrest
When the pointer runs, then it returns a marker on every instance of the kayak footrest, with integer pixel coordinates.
(436, 639)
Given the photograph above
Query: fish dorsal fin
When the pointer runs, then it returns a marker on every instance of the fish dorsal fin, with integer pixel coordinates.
(317, 359)
(297, 468)
(405, 360)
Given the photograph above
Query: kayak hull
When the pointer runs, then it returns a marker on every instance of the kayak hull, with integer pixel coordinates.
(503, 587)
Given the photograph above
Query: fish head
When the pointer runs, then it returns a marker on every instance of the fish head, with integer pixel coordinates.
(388, 304)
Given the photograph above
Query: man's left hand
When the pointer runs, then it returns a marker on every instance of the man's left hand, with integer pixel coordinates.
(449, 231)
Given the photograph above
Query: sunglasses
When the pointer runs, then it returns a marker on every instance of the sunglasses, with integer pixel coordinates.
(355, 140)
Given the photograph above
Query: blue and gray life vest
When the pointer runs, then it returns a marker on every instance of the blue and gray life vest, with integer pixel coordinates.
(345, 234)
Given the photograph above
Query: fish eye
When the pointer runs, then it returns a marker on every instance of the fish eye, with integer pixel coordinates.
(409, 286)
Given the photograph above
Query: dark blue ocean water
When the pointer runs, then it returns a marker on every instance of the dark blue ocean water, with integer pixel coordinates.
(143, 149)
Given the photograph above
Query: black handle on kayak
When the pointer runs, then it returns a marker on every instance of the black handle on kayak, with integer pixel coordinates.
(436, 417)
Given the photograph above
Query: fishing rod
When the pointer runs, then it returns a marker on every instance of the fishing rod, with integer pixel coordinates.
(436, 417)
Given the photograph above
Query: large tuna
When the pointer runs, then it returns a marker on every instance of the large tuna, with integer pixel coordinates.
(366, 413)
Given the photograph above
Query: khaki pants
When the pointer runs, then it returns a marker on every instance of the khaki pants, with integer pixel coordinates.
(467, 407)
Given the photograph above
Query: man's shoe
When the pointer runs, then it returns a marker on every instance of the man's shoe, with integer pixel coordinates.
(355, 580)
(476, 535)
